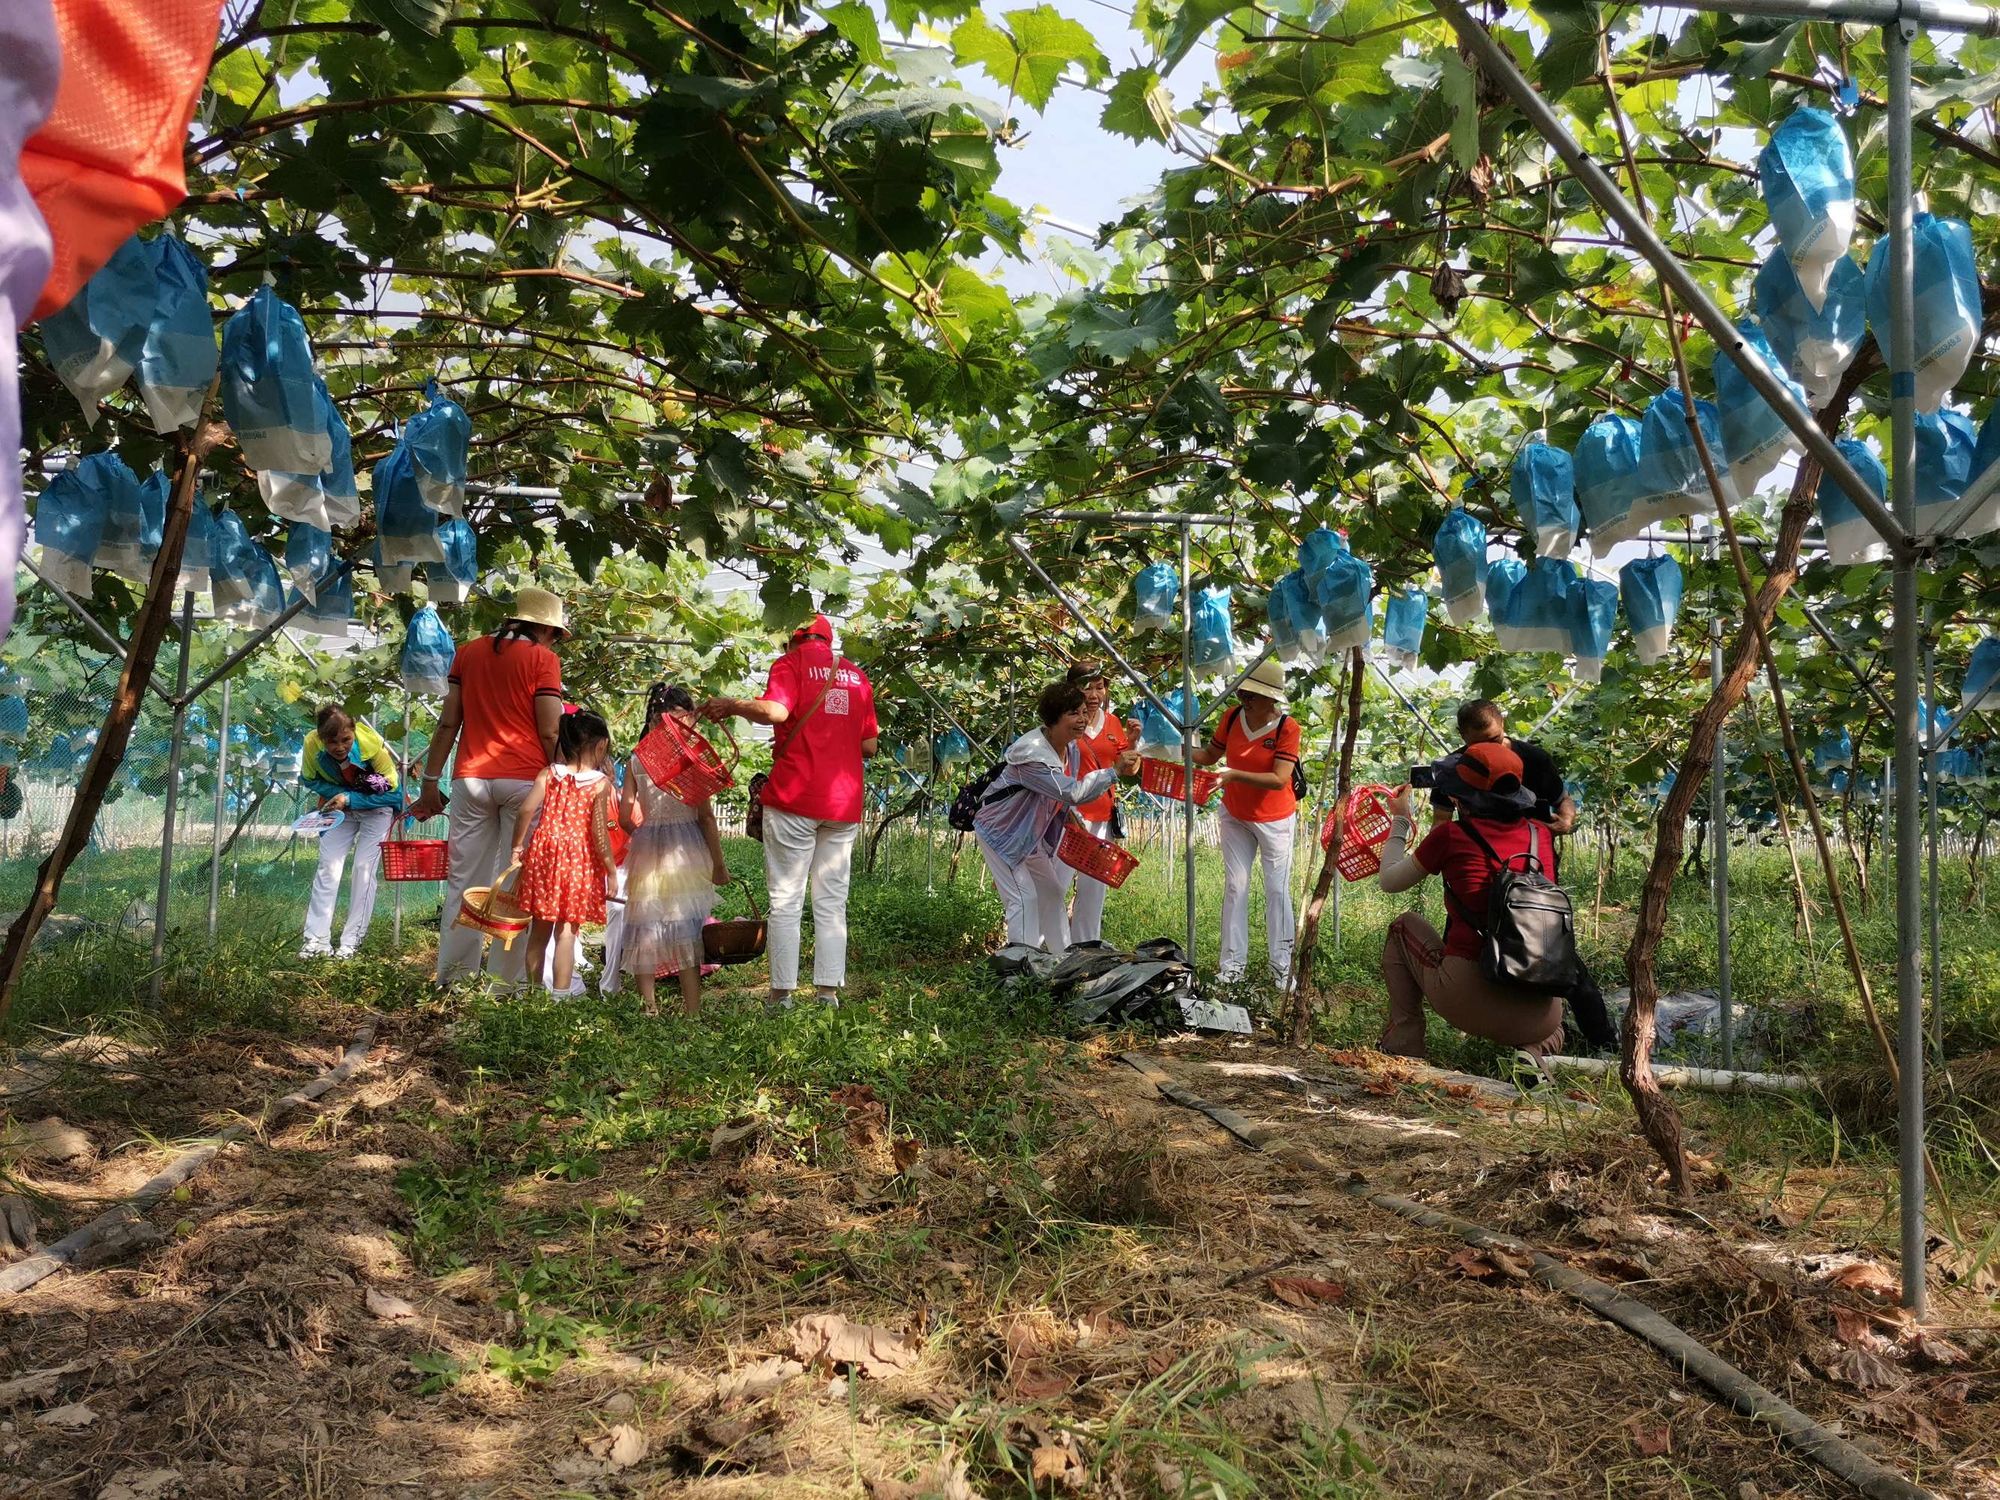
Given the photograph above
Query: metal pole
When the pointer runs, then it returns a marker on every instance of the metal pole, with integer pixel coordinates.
(924, 808)
(215, 833)
(229, 662)
(1718, 832)
(98, 632)
(1931, 748)
(1189, 719)
(1137, 518)
(1941, 15)
(1137, 678)
(180, 703)
(1853, 670)
(1498, 64)
(1896, 38)
(1411, 708)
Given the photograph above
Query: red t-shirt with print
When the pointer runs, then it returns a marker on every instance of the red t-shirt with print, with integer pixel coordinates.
(1448, 850)
(1274, 748)
(1098, 751)
(816, 769)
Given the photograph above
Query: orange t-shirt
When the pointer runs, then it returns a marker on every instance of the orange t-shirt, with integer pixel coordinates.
(1100, 750)
(1276, 749)
(498, 683)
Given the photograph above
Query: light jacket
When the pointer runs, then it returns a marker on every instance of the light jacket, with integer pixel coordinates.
(321, 774)
(1016, 824)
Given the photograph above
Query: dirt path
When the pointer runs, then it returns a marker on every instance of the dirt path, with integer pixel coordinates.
(1140, 1307)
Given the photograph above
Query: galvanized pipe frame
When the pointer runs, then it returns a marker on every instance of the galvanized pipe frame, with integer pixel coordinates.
(1896, 524)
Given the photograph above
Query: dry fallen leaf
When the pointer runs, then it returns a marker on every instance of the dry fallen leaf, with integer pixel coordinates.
(1032, 1382)
(386, 1305)
(905, 1152)
(734, 1136)
(621, 1446)
(1864, 1370)
(1651, 1441)
(72, 1417)
(944, 1480)
(1868, 1279)
(1307, 1292)
(142, 1484)
(1900, 1412)
(759, 1379)
(36, 1384)
(1050, 1463)
(1614, 1267)
(1099, 1328)
(875, 1352)
(1489, 1264)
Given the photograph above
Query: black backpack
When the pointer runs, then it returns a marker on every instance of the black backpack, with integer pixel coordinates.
(1299, 784)
(1529, 936)
(972, 796)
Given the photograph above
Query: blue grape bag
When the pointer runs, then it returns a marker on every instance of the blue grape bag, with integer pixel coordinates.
(1213, 643)
(427, 654)
(1156, 596)
(1298, 632)
(1672, 481)
(1834, 750)
(196, 550)
(308, 557)
(952, 748)
(1807, 173)
(1946, 442)
(1816, 342)
(405, 528)
(1755, 439)
(1459, 549)
(1544, 485)
(1652, 589)
(69, 528)
(1948, 313)
(1505, 577)
(135, 514)
(242, 577)
(270, 394)
(1541, 609)
(439, 437)
(1608, 487)
(451, 581)
(1344, 595)
(1982, 671)
(96, 341)
(330, 611)
(1593, 621)
(1403, 621)
(1849, 536)
(178, 356)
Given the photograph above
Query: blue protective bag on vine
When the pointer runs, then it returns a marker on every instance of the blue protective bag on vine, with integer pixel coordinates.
(178, 357)
(196, 550)
(135, 515)
(1593, 621)
(1982, 672)
(1540, 608)
(1344, 596)
(439, 437)
(329, 499)
(451, 581)
(1849, 536)
(1156, 595)
(13, 720)
(1608, 487)
(1652, 589)
(427, 652)
(96, 341)
(405, 528)
(1298, 631)
(1835, 749)
(1213, 643)
(1948, 312)
(308, 557)
(1320, 550)
(1672, 482)
(270, 394)
(1986, 517)
(1403, 620)
(1946, 442)
(69, 527)
(1544, 486)
(1459, 548)
(1807, 173)
(1504, 578)
(331, 609)
(1755, 439)
(952, 748)
(1816, 342)
(392, 578)
(242, 577)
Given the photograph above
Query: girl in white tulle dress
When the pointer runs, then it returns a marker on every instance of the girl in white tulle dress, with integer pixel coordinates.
(671, 873)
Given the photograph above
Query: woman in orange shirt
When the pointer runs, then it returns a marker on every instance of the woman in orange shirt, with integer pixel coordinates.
(1103, 741)
(1259, 745)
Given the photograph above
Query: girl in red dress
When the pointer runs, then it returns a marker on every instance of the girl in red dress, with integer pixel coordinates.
(562, 847)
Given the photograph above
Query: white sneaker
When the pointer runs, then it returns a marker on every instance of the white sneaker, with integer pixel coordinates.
(828, 998)
(315, 950)
(343, 953)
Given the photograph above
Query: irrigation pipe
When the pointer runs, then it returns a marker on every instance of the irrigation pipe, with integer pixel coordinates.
(24, 1274)
(1717, 1080)
(1693, 1358)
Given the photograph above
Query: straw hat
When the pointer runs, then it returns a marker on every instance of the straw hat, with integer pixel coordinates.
(540, 607)
(1266, 680)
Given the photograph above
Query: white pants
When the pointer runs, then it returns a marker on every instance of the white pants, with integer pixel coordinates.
(1086, 912)
(1035, 895)
(361, 832)
(482, 833)
(609, 982)
(797, 849)
(1243, 846)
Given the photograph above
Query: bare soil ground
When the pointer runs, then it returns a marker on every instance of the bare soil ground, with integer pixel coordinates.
(1141, 1307)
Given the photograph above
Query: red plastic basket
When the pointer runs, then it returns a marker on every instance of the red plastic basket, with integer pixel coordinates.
(1166, 778)
(1098, 858)
(416, 859)
(1363, 822)
(682, 762)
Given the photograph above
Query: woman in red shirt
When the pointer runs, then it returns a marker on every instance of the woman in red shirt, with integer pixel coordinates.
(1258, 743)
(1103, 742)
(1483, 784)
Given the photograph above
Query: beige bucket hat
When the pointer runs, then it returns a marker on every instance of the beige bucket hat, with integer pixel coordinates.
(1266, 680)
(540, 607)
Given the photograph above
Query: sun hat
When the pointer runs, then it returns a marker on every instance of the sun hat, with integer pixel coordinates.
(540, 607)
(1485, 777)
(1266, 680)
(818, 627)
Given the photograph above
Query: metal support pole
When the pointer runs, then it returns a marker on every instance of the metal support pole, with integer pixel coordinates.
(1896, 38)
(1853, 669)
(1410, 708)
(215, 832)
(924, 808)
(1718, 833)
(1136, 677)
(1189, 719)
(1932, 745)
(180, 703)
(229, 662)
(1940, 15)
(90, 623)
(1499, 66)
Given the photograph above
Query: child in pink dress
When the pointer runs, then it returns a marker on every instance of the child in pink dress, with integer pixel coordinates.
(562, 847)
